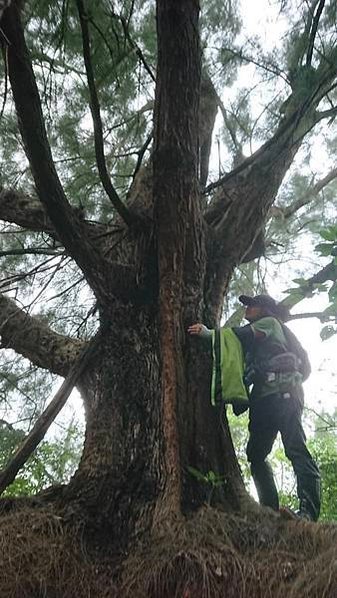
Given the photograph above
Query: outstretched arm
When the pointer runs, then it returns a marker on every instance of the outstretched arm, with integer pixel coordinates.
(199, 329)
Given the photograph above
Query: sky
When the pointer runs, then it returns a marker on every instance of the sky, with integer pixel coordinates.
(263, 17)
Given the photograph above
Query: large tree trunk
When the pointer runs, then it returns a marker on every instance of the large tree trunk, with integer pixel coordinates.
(120, 486)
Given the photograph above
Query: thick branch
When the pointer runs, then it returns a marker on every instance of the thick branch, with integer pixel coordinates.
(97, 122)
(31, 251)
(70, 229)
(244, 196)
(25, 211)
(33, 339)
(331, 114)
(29, 213)
(314, 314)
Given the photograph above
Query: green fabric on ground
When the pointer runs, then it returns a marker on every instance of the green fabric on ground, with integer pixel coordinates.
(228, 368)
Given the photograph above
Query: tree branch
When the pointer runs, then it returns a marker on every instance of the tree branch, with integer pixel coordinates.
(239, 208)
(32, 338)
(70, 228)
(29, 213)
(141, 153)
(32, 251)
(97, 122)
(314, 32)
(134, 46)
(329, 272)
(270, 68)
(332, 113)
(309, 195)
(304, 316)
(25, 211)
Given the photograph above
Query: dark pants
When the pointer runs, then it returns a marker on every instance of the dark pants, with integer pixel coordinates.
(268, 416)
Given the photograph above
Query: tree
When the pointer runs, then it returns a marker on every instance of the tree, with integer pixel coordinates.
(154, 260)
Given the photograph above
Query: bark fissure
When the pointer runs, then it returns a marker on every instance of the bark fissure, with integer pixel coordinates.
(175, 167)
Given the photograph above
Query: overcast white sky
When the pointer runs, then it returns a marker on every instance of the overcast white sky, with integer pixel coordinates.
(263, 17)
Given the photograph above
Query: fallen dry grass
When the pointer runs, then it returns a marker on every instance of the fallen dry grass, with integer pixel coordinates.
(209, 555)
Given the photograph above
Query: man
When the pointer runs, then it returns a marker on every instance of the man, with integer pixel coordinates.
(276, 365)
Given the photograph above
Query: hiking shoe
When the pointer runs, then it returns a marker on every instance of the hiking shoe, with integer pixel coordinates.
(303, 514)
(287, 513)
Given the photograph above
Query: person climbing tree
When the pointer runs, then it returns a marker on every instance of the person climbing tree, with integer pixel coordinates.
(275, 366)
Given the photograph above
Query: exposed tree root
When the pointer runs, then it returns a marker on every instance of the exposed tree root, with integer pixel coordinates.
(212, 554)
(215, 555)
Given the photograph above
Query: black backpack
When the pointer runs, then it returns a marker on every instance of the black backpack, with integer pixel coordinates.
(294, 346)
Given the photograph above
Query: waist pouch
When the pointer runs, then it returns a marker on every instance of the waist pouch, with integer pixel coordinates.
(279, 373)
(282, 363)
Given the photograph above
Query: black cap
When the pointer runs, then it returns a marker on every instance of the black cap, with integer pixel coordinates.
(267, 302)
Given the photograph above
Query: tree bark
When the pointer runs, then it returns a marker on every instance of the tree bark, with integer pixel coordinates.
(32, 338)
(120, 476)
(176, 205)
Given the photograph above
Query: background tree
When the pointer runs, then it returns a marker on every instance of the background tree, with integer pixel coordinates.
(119, 233)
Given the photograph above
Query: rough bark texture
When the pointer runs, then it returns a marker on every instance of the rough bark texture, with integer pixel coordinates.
(120, 474)
(176, 201)
(32, 338)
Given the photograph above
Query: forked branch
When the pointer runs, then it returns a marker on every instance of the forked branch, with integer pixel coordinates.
(70, 228)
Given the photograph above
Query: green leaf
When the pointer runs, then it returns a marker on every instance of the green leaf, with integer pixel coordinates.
(327, 332)
(324, 249)
(300, 281)
(197, 474)
(329, 233)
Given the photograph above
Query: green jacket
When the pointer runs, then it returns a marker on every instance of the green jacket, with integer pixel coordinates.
(228, 368)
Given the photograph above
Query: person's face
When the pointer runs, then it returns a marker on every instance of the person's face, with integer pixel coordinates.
(252, 313)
